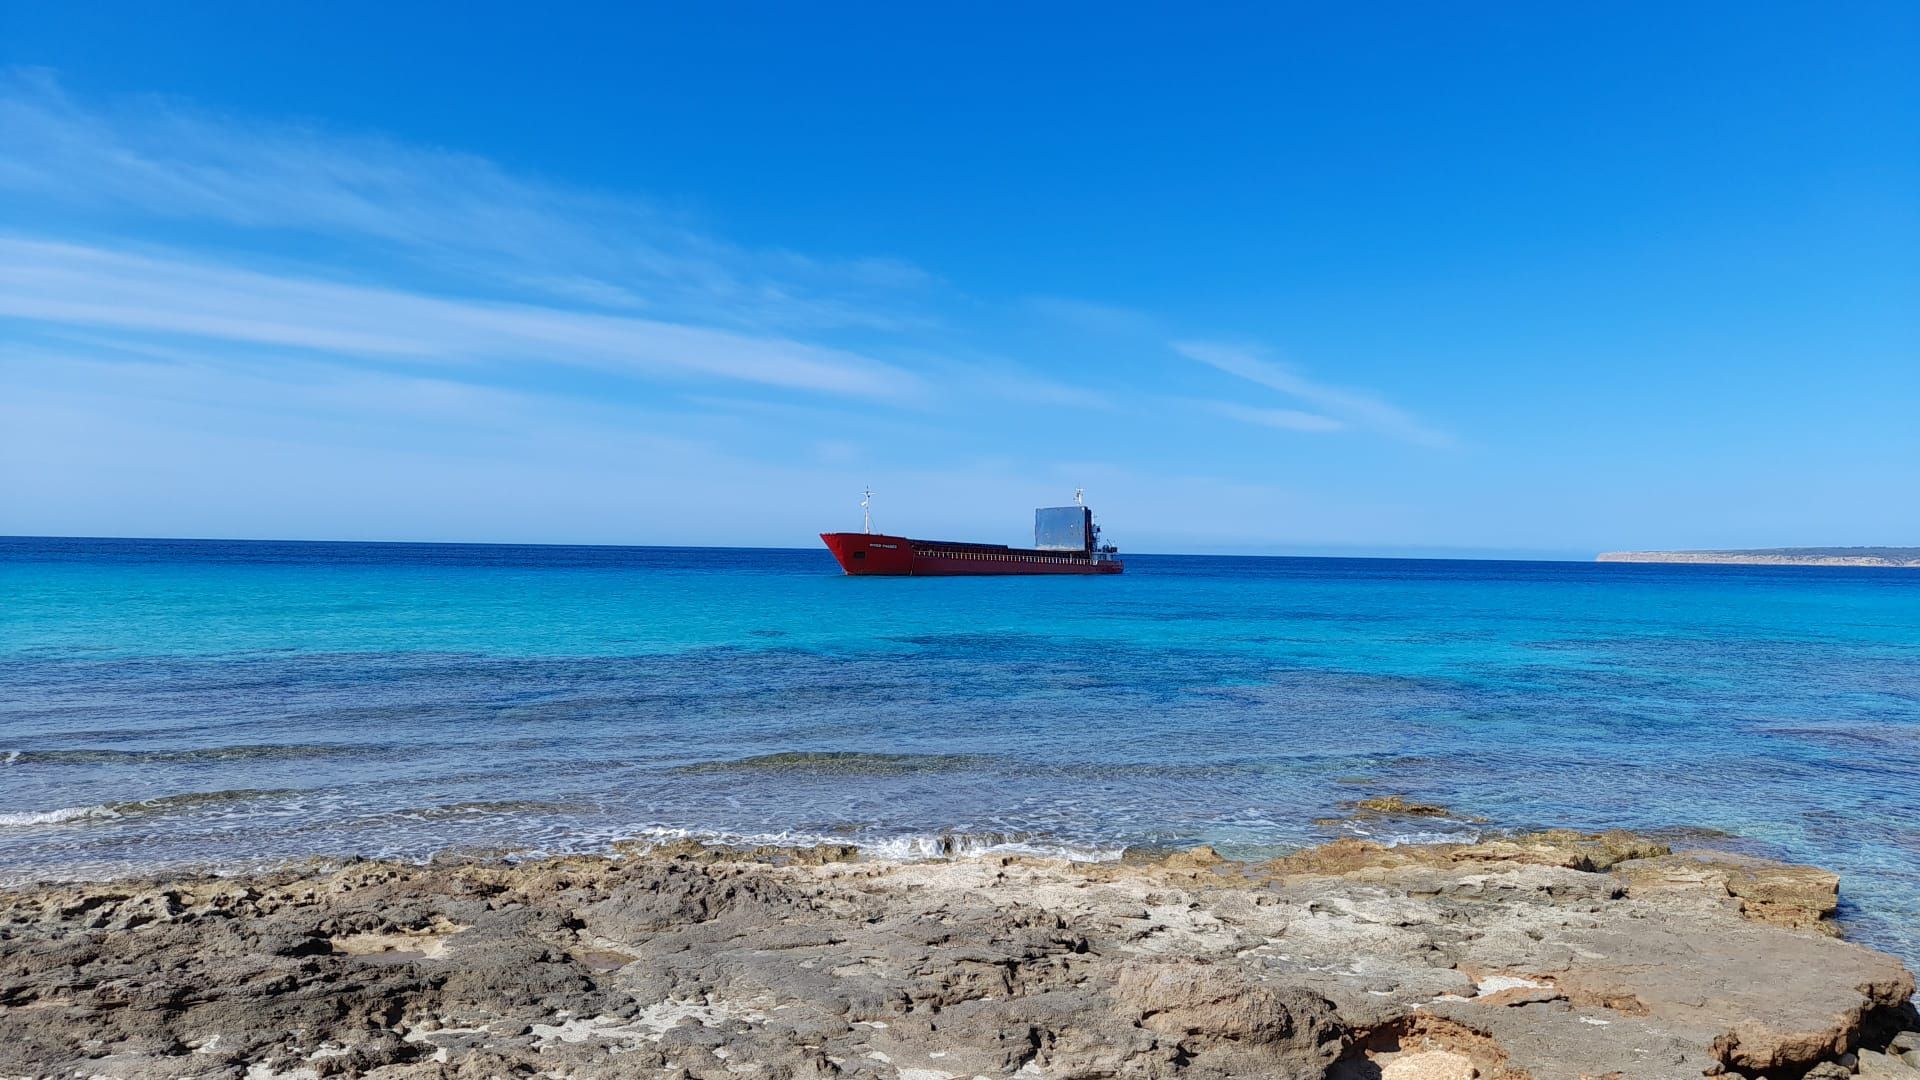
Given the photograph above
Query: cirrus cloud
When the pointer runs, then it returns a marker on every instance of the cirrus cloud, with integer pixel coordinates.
(1347, 407)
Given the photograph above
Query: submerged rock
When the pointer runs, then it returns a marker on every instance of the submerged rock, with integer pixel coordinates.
(1553, 956)
(1564, 847)
(1202, 857)
(1400, 806)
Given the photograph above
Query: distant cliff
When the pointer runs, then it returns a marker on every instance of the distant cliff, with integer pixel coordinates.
(1824, 556)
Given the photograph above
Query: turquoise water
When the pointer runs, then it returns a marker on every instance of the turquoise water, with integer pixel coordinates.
(215, 704)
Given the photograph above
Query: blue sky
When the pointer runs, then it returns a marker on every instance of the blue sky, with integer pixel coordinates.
(1313, 279)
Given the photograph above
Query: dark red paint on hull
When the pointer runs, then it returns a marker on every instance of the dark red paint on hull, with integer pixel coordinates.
(875, 553)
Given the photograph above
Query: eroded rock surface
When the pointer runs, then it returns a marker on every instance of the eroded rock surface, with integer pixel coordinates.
(1550, 956)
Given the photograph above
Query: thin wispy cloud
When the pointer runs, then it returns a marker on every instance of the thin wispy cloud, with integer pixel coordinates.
(290, 386)
(1285, 419)
(1356, 408)
(89, 288)
(216, 293)
(450, 256)
(463, 215)
(1010, 384)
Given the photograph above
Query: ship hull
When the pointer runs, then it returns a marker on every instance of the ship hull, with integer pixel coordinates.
(874, 554)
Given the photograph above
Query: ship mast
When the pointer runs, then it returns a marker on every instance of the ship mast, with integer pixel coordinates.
(866, 507)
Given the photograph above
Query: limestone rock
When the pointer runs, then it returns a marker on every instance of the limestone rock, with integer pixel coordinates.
(1802, 897)
(1347, 855)
(1186, 999)
(1430, 1065)
(1563, 847)
(1351, 960)
(1203, 857)
(1873, 1063)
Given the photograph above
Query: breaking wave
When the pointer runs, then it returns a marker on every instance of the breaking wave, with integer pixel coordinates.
(249, 752)
(980, 845)
(134, 808)
(1390, 837)
(27, 818)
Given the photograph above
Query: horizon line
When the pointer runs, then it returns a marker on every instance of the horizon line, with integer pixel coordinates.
(4, 537)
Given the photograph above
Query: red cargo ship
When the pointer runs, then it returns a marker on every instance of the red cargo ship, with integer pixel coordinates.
(1065, 541)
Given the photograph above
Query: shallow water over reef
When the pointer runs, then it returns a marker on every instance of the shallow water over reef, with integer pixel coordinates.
(175, 703)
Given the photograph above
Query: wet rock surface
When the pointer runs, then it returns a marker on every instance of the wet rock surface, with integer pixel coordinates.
(1549, 956)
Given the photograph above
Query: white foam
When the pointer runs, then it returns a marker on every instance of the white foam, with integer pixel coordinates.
(55, 817)
(666, 834)
(906, 848)
(1414, 837)
(962, 846)
(12, 756)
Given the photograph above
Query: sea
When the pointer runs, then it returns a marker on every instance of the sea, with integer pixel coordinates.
(218, 706)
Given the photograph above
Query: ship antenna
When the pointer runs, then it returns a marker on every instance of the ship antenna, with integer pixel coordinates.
(1079, 496)
(866, 506)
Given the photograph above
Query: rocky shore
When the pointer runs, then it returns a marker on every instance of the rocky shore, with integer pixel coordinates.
(1854, 556)
(1547, 956)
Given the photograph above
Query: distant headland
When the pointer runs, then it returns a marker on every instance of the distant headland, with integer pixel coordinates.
(1810, 556)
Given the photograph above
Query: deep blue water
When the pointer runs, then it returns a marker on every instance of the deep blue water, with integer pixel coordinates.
(216, 704)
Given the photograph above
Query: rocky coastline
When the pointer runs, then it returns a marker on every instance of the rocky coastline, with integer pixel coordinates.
(1856, 556)
(1547, 955)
